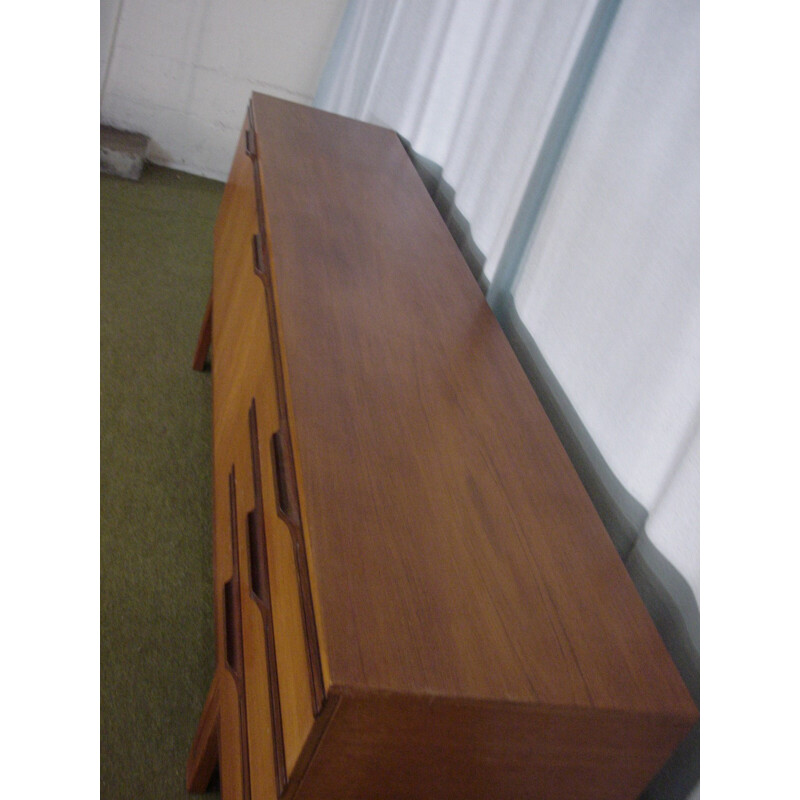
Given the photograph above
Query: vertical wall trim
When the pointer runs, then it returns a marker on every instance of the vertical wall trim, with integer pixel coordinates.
(337, 52)
(378, 66)
(550, 154)
(111, 49)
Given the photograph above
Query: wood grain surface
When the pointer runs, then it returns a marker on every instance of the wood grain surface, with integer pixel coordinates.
(234, 760)
(246, 408)
(204, 754)
(398, 747)
(453, 550)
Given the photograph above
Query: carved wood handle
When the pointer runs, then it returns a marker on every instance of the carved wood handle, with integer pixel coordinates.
(259, 256)
(250, 143)
(233, 631)
(259, 579)
(284, 494)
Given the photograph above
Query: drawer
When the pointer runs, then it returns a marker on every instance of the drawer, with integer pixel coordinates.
(278, 653)
(254, 543)
(263, 706)
(233, 742)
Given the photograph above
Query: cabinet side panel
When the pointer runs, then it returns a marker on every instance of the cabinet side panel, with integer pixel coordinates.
(398, 748)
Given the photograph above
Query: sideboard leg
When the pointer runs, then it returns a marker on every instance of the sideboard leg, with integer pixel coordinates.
(204, 340)
(204, 755)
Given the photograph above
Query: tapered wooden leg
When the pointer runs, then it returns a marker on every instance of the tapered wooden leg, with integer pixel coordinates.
(204, 340)
(204, 754)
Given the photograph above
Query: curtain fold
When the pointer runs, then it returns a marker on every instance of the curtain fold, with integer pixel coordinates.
(609, 284)
(560, 141)
(472, 86)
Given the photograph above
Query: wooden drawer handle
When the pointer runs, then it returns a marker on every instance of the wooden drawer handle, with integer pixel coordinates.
(259, 256)
(259, 577)
(284, 495)
(232, 601)
(250, 143)
(286, 501)
(233, 630)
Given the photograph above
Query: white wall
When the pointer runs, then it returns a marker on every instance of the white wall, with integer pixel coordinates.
(181, 71)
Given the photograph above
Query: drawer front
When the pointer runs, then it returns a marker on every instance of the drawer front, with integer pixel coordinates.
(280, 711)
(263, 702)
(233, 742)
(275, 582)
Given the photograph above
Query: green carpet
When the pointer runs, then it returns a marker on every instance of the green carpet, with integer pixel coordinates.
(156, 619)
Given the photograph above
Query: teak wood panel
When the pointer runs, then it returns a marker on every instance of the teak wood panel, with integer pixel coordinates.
(230, 742)
(244, 377)
(240, 360)
(204, 753)
(235, 225)
(291, 650)
(260, 738)
(233, 736)
(398, 747)
(453, 548)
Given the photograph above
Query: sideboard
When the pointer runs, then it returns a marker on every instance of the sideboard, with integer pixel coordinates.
(413, 594)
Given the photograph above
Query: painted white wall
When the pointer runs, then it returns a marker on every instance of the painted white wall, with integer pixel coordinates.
(181, 71)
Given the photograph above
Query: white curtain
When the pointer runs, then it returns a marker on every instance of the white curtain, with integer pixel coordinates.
(472, 86)
(609, 284)
(560, 139)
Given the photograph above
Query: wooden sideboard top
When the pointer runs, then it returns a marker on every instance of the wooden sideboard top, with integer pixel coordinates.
(453, 549)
